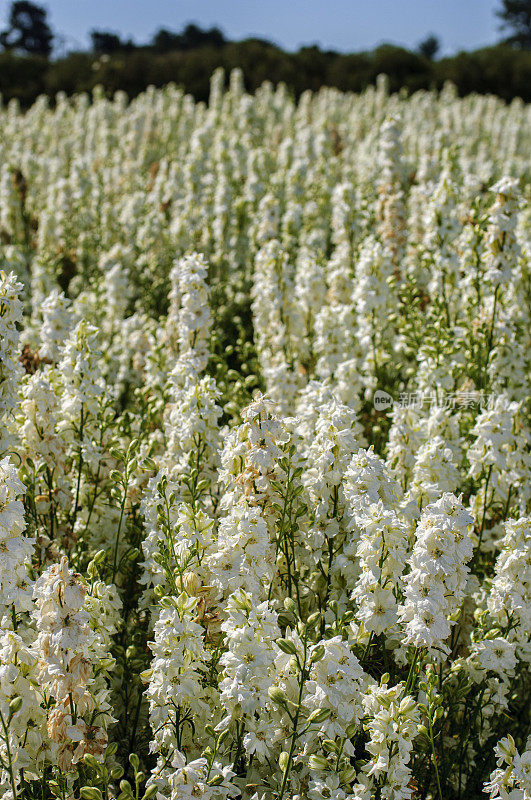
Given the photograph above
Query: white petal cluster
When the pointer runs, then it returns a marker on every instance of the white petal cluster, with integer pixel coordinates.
(249, 669)
(10, 368)
(438, 568)
(188, 323)
(338, 683)
(510, 595)
(511, 780)
(265, 485)
(16, 549)
(392, 727)
(175, 683)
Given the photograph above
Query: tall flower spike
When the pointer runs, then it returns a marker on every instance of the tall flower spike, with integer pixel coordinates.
(435, 585)
(10, 368)
(15, 548)
(188, 322)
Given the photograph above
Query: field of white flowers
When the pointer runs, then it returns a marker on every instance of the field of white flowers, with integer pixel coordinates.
(264, 463)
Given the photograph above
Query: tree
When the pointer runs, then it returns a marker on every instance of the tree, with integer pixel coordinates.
(164, 41)
(193, 36)
(429, 47)
(516, 16)
(28, 30)
(107, 43)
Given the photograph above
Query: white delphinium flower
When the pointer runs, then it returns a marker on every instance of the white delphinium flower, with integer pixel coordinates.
(191, 425)
(82, 385)
(382, 550)
(178, 536)
(405, 437)
(435, 585)
(498, 650)
(390, 210)
(496, 655)
(249, 671)
(175, 691)
(10, 368)
(244, 556)
(441, 231)
(190, 458)
(57, 322)
(12, 188)
(249, 459)
(327, 787)
(392, 727)
(498, 458)
(374, 555)
(309, 400)
(40, 410)
(369, 480)
(510, 596)
(373, 301)
(188, 321)
(434, 471)
(508, 369)
(349, 386)
(511, 780)
(335, 339)
(337, 683)
(436, 369)
(339, 276)
(343, 219)
(502, 249)
(65, 649)
(201, 778)
(15, 548)
(333, 441)
(221, 222)
(266, 226)
(104, 607)
(310, 290)
(84, 397)
(276, 316)
(27, 726)
(118, 291)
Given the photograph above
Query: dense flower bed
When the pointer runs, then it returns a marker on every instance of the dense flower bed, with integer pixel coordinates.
(264, 463)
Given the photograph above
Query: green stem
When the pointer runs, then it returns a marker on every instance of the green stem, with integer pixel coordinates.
(9, 757)
(435, 759)
(295, 723)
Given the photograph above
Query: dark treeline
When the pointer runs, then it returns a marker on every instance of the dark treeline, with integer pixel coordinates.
(188, 59)
(499, 70)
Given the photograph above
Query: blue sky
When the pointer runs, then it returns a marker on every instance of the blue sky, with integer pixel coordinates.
(344, 25)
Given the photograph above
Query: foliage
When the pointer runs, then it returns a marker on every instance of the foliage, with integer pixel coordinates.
(516, 15)
(28, 30)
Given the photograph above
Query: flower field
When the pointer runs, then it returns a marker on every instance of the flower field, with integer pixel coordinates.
(264, 447)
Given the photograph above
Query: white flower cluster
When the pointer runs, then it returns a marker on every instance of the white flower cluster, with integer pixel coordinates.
(435, 584)
(10, 369)
(264, 446)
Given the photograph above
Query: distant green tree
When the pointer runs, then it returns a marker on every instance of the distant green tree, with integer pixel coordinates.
(164, 41)
(429, 47)
(106, 42)
(192, 37)
(516, 16)
(28, 30)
